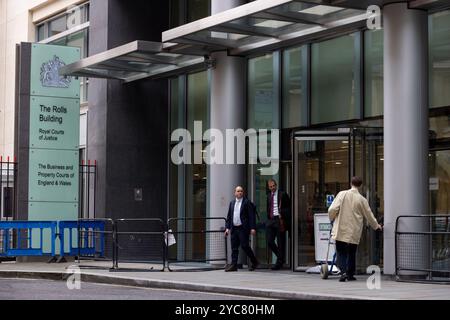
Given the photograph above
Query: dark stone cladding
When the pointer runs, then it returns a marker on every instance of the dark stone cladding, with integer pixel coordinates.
(128, 122)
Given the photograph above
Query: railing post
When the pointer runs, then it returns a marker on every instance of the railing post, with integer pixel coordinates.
(62, 253)
(6, 244)
(115, 248)
(395, 249)
(53, 239)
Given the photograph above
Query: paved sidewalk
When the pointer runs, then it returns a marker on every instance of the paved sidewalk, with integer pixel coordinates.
(261, 283)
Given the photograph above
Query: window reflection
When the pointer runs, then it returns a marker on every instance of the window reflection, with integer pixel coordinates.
(295, 78)
(373, 68)
(335, 79)
(439, 59)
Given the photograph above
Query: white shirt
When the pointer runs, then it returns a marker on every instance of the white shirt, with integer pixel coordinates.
(275, 204)
(237, 213)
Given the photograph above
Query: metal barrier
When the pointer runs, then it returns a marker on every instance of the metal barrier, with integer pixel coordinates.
(86, 238)
(140, 241)
(97, 240)
(88, 190)
(422, 248)
(197, 240)
(27, 238)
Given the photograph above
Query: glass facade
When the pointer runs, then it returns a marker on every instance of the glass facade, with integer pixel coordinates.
(335, 79)
(196, 174)
(373, 73)
(263, 113)
(319, 84)
(197, 9)
(197, 100)
(439, 170)
(81, 40)
(185, 11)
(439, 52)
(295, 87)
(189, 93)
(263, 91)
(176, 172)
(63, 22)
(439, 165)
(188, 183)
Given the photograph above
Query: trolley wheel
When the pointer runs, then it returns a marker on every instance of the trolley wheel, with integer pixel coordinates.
(324, 271)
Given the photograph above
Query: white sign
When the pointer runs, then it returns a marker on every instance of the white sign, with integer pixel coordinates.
(322, 233)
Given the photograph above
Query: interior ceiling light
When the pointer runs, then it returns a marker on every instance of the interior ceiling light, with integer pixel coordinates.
(274, 24)
(321, 10)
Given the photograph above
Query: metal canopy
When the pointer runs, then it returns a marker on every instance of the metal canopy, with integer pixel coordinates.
(135, 60)
(430, 5)
(267, 24)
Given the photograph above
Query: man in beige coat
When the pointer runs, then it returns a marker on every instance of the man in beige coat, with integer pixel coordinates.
(347, 212)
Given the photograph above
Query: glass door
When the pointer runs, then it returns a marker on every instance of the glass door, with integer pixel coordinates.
(322, 162)
(368, 157)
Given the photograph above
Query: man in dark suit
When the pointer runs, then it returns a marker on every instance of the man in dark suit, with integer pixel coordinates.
(241, 222)
(278, 221)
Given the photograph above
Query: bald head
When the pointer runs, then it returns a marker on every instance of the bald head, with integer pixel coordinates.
(239, 192)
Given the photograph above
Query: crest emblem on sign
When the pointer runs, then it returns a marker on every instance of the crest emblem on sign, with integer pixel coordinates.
(50, 74)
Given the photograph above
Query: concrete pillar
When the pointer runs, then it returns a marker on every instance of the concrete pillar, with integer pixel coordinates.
(405, 122)
(227, 111)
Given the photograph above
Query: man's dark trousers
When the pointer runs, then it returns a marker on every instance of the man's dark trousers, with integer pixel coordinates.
(273, 231)
(239, 235)
(346, 257)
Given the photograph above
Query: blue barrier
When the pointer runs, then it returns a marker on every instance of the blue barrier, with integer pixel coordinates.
(91, 234)
(14, 234)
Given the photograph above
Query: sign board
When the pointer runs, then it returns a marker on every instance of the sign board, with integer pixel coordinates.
(330, 199)
(54, 134)
(322, 233)
(48, 134)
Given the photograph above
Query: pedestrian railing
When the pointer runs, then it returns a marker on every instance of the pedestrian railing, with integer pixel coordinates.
(140, 241)
(27, 238)
(197, 240)
(91, 239)
(149, 241)
(87, 189)
(422, 248)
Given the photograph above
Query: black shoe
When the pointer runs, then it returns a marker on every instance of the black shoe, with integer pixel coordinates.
(351, 278)
(343, 278)
(232, 267)
(277, 266)
(253, 266)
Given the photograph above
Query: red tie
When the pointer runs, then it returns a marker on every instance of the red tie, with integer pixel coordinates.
(271, 205)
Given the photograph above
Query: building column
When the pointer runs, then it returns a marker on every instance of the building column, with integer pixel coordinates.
(227, 111)
(405, 123)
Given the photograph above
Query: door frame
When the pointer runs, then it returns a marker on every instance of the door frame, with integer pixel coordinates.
(312, 135)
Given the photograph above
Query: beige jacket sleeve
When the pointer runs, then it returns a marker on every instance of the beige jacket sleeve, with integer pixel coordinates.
(368, 214)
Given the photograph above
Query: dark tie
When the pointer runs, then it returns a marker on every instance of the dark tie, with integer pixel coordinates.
(271, 205)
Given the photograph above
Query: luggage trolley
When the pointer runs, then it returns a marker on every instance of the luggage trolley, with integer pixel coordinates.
(323, 245)
(324, 272)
